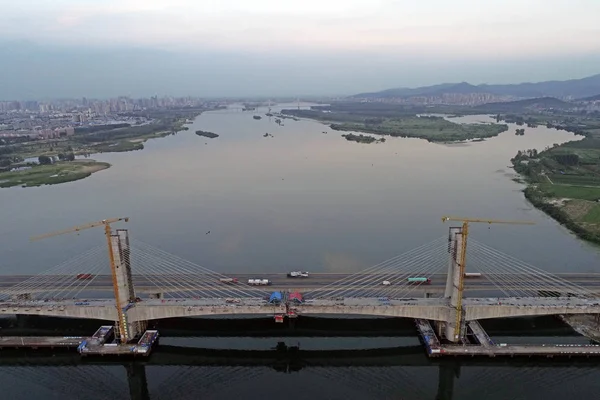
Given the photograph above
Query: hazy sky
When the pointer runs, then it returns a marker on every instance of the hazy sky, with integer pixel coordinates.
(279, 47)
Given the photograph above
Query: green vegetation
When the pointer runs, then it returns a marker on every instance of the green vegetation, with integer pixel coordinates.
(209, 135)
(51, 174)
(398, 122)
(564, 181)
(362, 138)
(433, 129)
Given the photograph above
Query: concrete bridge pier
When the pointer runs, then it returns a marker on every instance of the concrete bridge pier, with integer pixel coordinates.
(138, 384)
(454, 289)
(447, 373)
(124, 290)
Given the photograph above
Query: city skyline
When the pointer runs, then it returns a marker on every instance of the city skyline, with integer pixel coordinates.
(68, 48)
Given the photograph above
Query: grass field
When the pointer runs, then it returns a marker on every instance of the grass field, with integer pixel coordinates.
(583, 180)
(51, 174)
(430, 128)
(570, 192)
(593, 216)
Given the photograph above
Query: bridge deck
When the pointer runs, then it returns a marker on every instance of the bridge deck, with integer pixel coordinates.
(280, 281)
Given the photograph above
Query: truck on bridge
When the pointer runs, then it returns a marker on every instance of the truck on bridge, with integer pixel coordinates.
(228, 280)
(298, 274)
(259, 282)
(419, 280)
(85, 276)
(472, 275)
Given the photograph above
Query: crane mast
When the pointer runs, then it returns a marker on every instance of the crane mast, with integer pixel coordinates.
(122, 323)
(463, 259)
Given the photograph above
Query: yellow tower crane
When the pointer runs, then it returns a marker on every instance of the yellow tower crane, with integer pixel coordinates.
(108, 232)
(463, 253)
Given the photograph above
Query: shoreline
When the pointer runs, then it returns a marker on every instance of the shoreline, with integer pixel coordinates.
(52, 174)
(67, 169)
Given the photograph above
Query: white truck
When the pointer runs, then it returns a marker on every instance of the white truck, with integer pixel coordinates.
(297, 274)
(258, 282)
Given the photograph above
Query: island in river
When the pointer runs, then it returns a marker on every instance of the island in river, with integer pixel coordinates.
(396, 122)
(209, 135)
(362, 138)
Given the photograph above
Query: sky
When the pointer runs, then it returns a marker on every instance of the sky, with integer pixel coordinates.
(103, 48)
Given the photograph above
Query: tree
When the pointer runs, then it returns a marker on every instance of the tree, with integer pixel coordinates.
(44, 160)
(70, 157)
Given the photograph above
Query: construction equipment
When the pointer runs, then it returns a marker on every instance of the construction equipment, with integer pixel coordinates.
(108, 232)
(463, 255)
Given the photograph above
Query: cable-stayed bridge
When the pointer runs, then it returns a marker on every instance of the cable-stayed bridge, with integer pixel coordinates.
(170, 286)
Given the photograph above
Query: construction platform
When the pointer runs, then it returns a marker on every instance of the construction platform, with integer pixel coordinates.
(36, 342)
(97, 346)
(484, 345)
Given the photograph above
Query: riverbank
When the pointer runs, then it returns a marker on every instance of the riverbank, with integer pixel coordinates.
(400, 124)
(59, 172)
(20, 160)
(564, 180)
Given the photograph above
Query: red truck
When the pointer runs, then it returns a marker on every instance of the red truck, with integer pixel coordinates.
(85, 276)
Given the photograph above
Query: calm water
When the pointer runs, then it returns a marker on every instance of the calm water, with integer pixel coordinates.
(302, 199)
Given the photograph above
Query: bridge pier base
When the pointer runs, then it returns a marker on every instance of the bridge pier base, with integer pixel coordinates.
(446, 375)
(138, 384)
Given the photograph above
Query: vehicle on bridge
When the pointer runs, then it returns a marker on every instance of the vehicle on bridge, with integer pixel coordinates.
(228, 280)
(472, 275)
(259, 282)
(419, 281)
(85, 276)
(386, 283)
(296, 297)
(298, 274)
(275, 298)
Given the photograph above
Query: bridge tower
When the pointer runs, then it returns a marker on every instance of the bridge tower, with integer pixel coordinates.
(120, 266)
(119, 253)
(457, 247)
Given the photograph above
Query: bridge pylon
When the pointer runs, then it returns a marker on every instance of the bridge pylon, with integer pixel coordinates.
(457, 247)
(120, 252)
(120, 265)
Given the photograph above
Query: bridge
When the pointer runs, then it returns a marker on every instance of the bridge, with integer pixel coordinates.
(173, 287)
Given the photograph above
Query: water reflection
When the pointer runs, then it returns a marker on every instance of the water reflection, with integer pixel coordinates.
(404, 376)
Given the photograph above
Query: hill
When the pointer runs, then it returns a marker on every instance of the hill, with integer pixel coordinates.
(574, 88)
(525, 105)
(591, 98)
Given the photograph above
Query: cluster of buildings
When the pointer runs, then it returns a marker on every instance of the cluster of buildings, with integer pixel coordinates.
(120, 104)
(454, 99)
(58, 118)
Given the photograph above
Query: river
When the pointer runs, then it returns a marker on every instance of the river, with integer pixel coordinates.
(302, 199)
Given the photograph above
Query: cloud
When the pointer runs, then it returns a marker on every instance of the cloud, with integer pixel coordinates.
(505, 27)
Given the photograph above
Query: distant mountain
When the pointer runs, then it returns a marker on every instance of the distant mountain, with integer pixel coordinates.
(524, 105)
(591, 98)
(574, 88)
